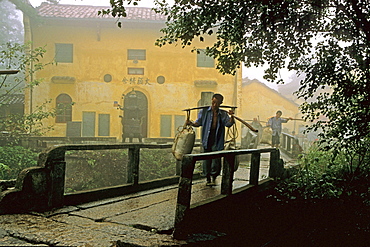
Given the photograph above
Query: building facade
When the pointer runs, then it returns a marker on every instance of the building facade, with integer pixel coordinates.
(108, 81)
(261, 102)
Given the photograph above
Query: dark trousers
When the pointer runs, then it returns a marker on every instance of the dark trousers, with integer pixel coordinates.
(211, 167)
(275, 139)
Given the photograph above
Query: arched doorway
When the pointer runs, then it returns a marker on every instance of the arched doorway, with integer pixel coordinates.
(135, 116)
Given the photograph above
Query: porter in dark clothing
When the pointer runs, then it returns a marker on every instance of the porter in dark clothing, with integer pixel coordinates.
(213, 122)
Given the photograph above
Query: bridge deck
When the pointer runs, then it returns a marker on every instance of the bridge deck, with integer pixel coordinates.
(139, 218)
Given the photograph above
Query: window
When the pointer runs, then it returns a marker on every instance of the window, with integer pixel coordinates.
(104, 123)
(166, 125)
(64, 108)
(88, 124)
(135, 71)
(161, 79)
(134, 54)
(167, 121)
(64, 53)
(206, 99)
(107, 78)
(179, 122)
(73, 129)
(203, 60)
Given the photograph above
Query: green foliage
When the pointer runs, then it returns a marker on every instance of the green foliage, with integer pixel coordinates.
(327, 174)
(254, 32)
(91, 169)
(28, 124)
(14, 159)
(96, 169)
(118, 10)
(325, 40)
(156, 163)
(342, 76)
(328, 41)
(21, 57)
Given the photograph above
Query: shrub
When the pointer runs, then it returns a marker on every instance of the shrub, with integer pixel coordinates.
(156, 163)
(96, 169)
(14, 159)
(327, 174)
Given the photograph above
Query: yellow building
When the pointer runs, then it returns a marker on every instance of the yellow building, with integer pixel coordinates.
(117, 76)
(262, 102)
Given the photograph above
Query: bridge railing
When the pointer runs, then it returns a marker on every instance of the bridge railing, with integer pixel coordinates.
(290, 145)
(42, 188)
(187, 169)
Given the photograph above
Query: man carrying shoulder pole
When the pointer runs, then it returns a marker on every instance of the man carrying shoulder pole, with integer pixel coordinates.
(213, 122)
(275, 124)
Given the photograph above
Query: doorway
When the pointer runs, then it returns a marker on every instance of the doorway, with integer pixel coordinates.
(135, 116)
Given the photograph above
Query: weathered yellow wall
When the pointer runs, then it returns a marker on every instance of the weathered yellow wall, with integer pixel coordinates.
(262, 102)
(102, 49)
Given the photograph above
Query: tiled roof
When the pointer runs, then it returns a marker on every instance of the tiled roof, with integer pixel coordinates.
(91, 12)
(10, 99)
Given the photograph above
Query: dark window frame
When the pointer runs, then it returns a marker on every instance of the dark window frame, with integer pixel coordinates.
(64, 108)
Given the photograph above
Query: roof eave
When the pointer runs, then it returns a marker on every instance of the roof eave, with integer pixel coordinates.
(104, 20)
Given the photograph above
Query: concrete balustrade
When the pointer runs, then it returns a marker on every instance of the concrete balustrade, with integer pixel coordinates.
(41, 188)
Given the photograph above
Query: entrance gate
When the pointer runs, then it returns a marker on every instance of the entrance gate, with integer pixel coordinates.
(135, 116)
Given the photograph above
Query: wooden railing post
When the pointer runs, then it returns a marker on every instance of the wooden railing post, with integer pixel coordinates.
(178, 167)
(289, 144)
(133, 165)
(228, 175)
(276, 166)
(255, 168)
(183, 197)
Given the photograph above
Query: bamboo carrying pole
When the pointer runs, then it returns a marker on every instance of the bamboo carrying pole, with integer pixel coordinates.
(225, 106)
(246, 124)
(298, 119)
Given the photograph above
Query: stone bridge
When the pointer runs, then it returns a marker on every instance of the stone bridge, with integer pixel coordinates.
(37, 211)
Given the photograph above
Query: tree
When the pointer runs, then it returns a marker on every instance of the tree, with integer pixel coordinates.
(27, 61)
(17, 125)
(11, 30)
(327, 40)
(20, 57)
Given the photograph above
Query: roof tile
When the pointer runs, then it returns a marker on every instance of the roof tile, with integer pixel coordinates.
(91, 12)
(10, 99)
